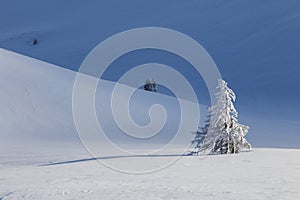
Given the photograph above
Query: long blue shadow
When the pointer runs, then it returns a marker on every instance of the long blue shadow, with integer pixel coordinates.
(112, 157)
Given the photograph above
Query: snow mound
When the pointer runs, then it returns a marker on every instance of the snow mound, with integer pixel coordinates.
(36, 107)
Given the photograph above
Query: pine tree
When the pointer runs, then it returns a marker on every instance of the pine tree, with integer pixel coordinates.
(224, 135)
(150, 85)
(200, 137)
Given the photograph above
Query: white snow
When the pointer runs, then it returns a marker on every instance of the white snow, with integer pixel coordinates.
(42, 158)
(261, 174)
(254, 43)
(36, 106)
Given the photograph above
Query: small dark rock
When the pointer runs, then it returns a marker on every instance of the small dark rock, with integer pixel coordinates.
(34, 41)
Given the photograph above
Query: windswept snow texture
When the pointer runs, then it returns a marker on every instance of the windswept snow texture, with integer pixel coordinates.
(254, 43)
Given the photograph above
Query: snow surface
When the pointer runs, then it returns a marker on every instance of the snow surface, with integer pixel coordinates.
(254, 43)
(36, 107)
(42, 157)
(36, 102)
(261, 174)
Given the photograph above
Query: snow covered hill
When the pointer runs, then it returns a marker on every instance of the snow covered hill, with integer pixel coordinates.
(253, 42)
(42, 157)
(36, 107)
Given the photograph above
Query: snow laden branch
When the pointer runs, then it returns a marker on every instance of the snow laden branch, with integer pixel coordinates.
(222, 134)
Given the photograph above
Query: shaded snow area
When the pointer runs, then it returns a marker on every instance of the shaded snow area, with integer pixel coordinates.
(261, 174)
(36, 107)
(254, 43)
(42, 157)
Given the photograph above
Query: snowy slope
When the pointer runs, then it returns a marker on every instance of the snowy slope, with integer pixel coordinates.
(36, 113)
(36, 110)
(255, 45)
(254, 42)
(36, 107)
(35, 98)
(42, 158)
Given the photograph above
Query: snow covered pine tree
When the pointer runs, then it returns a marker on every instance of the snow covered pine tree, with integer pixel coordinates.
(222, 133)
(199, 138)
(150, 85)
